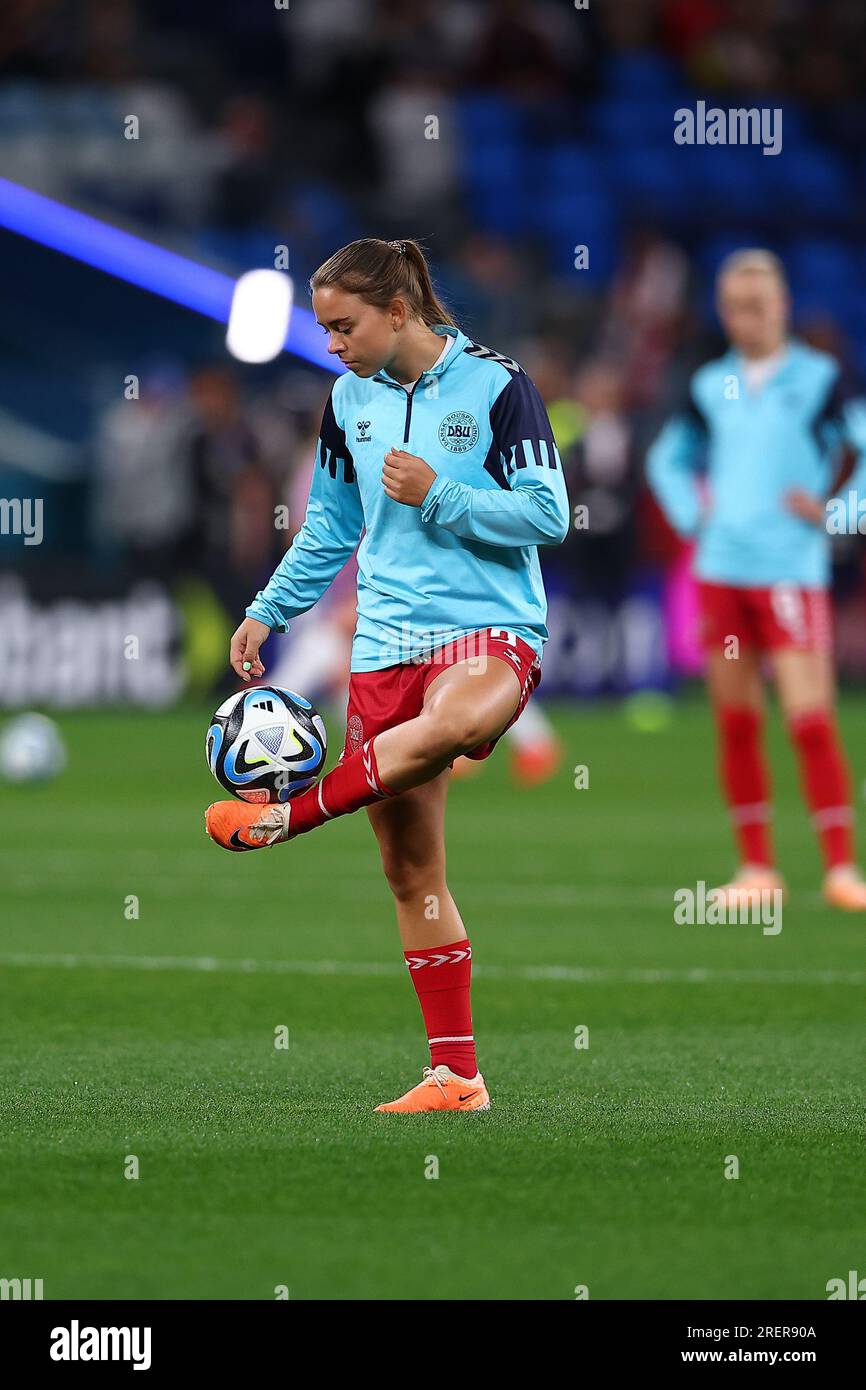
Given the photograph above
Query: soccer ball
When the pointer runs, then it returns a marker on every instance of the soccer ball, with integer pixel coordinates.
(266, 744)
(31, 750)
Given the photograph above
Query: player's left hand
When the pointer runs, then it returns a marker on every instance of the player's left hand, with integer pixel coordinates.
(804, 505)
(406, 478)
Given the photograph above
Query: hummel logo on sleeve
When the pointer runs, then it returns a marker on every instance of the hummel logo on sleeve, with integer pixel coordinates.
(488, 354)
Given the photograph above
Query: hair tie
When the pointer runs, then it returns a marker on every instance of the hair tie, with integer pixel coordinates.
(397, 246)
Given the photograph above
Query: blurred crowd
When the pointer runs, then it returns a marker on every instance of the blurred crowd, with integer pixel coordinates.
(204, 471)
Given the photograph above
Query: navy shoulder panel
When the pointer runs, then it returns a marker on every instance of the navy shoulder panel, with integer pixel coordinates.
(333, 448)
(522, 433)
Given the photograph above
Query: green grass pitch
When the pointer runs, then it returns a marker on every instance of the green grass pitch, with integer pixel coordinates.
(260, 1167)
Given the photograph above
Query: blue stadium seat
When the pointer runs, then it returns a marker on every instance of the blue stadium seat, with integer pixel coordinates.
(652, 177)
(493, 175)
(714, 250)
(639, 73)
(567, 219)
(822, 266)
(628, 118)
(488, 117)
(734, 179)
(324, 208)
(567, 166)
(815, 179)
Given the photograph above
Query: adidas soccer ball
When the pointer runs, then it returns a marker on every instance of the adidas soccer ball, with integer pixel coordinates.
(266, 744)
(31, 750)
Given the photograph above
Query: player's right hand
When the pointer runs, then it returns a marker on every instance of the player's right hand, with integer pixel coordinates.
(806, 506)
(245, 647)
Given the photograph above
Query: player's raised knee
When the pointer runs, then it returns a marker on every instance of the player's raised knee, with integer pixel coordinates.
(450, 734)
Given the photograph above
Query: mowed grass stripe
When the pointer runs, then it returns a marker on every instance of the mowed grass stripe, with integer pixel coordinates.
(532, 973)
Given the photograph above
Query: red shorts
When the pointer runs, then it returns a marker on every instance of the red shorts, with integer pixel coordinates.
(780, 615)
(379, 700)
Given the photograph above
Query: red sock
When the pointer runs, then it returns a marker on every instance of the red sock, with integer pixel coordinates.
(745, 781)
(353, 783)
(441, 976)
(826, 784)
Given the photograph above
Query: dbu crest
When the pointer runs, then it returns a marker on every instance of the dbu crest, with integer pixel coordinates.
(458, 432)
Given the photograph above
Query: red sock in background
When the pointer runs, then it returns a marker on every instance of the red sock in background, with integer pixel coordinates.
(826, 784)
(441, 976)
(745, 781)
(353, 783)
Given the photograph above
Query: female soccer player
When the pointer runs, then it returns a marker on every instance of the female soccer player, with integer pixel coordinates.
(768, 417)
(441, 451)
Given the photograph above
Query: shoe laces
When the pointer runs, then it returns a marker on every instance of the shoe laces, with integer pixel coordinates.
(432, 1074)
(272, 825)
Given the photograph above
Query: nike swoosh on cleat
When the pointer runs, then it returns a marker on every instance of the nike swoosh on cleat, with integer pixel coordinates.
(237, 843)
(469, 1096)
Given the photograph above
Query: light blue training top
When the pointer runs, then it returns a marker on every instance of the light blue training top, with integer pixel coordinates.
(467, 558)
(752, 448)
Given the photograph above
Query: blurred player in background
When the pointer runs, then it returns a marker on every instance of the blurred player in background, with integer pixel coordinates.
(448, 576)
(746, 468)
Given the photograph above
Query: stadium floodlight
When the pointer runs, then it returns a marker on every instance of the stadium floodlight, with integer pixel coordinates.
(150, 267)
(259, 317)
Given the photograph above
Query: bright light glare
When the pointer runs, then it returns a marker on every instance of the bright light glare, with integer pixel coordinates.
(259, 315)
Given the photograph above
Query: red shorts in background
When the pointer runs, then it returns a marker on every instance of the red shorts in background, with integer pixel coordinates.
(778, 616)
(380, 699)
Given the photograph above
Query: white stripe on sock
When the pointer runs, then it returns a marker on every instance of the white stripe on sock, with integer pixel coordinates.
(832, 815)
(755, 812)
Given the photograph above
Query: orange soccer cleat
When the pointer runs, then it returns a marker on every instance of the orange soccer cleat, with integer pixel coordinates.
(235, 825)
(748, 883)
(441, 1089)
(844, 888)
(536, 762)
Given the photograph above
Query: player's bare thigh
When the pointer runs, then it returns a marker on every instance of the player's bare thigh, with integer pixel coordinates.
(465, 705)
(804, 680)
(478, 695)
(735, 681)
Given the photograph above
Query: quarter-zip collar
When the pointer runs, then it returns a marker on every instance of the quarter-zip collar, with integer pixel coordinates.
(791, 353)
(444, 330)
